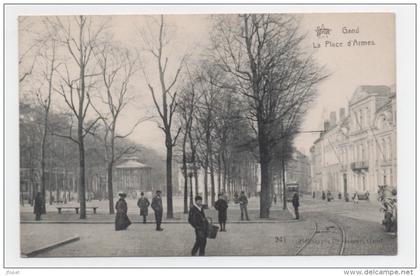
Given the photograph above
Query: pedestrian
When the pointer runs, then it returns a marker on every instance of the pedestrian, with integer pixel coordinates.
(236, 197)
(158, 209)
(329, 196)
(313, 195)
(323, 195)
(143, 203)
(221, 206)
(121, 219)
(198, 221)
(243, 204)
(275, 199)
(295, 202)
(356, 198)
(38, 206)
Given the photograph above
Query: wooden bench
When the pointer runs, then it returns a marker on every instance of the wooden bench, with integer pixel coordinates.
(363, 196)
(75, 208)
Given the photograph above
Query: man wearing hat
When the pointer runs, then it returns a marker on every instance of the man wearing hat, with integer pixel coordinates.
(143, 203)
(198, 220)
(158, 209)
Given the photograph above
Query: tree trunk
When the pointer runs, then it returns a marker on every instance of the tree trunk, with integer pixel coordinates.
(169, 213)
(219, 174)
(206, 166)
(82, 196)
(110, 188)
(212, 184)
(283, 168)
(265, 176)
(184, 171)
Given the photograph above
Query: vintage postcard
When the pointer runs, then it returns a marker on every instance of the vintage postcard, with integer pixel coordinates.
(208, 135)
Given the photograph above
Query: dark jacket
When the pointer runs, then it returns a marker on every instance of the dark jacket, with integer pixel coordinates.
(243, 200)
(198, 220)
(143, 204)
(157, 204)
(295, 200)
(221, 206)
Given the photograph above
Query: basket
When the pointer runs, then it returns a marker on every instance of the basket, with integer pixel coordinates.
(213, 229)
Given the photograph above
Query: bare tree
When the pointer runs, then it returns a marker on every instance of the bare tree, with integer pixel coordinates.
(80, 35)
(117, 67)
(263, 54)
(168, 105)
(48, 59)
(186, 110)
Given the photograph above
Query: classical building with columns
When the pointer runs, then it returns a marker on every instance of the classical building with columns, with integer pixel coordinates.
(357, 151)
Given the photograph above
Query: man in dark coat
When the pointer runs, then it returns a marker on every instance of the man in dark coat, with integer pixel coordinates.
(121, 219)
(143, 203)
(38, 206)
(197, 219)
(221, 206)
(158, 209)
(243, 204)
(295, 202)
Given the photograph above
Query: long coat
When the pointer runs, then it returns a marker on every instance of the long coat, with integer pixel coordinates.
(221, 206)
(295, 200)
(121, 219)
(197, 219)
(157, 204)
(143, 203)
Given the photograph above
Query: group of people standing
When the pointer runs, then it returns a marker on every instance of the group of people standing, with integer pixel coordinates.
(121, 219)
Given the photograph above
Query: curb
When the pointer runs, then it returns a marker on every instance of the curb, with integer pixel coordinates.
(49, 247)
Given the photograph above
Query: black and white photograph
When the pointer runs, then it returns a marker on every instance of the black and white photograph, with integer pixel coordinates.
(217, 134)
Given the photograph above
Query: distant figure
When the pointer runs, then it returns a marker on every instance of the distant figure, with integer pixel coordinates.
(38, 206)
(158, 209)
(121, 219)
(221, 206)
(313, 195)
(323, 195)
(275, 199)
(329, 196)
(295, 202)
(339, 195)
(367, 195)
(243, 204)
(236, 198)
(355, 198)
(143, 203)
(197, 219)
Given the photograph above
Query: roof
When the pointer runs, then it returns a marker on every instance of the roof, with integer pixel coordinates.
(364, 91)
(132, 163)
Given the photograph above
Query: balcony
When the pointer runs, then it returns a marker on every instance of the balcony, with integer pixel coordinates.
(359, 166)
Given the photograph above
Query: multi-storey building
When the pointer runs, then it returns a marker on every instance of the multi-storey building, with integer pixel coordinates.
(357, 152)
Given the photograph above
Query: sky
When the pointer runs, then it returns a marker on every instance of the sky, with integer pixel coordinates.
(348, 66)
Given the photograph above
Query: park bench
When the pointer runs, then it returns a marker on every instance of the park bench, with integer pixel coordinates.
(75, 208)
(363, 196)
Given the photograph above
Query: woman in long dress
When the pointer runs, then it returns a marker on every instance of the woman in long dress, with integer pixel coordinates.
(121, 219)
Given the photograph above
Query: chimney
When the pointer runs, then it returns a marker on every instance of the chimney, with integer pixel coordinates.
(326, 125)
(342, 114)
(333, 118)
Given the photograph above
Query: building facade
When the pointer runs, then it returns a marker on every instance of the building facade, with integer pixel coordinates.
(357, 152)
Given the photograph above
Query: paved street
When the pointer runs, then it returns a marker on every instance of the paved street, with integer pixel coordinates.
(279, 236)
